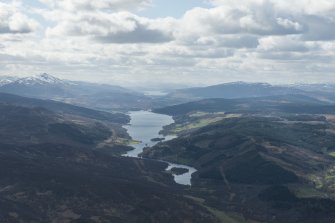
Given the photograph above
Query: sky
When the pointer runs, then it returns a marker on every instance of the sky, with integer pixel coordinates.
(169, 42)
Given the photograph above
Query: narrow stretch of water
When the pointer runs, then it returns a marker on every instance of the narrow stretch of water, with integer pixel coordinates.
(146, 125)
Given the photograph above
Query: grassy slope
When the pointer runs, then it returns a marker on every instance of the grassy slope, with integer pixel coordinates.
(253, 152)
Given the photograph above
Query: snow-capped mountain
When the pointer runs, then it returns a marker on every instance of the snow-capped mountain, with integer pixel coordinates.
(97, 96)
(42, 86)
(7, 80)
(41, 79)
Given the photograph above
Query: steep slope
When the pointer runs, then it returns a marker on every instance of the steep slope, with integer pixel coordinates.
(64, 108)
(52, 171)
(82, 186)
(24, 126)
(270, 158)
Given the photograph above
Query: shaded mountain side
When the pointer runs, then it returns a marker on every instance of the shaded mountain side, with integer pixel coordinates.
(65, 108)
(256, 141)
(61, 183)
(22, 126)
(53, 169)
(33, 126)
(268, 169)
(280, 103)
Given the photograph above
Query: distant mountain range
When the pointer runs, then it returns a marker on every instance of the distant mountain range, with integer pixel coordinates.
(236, 90)
(280, 103)
(97, 96)
(111, 97)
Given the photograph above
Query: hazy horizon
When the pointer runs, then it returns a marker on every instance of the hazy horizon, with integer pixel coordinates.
(160, 89)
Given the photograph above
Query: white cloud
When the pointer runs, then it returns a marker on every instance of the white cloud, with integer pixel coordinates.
(252, 40)
(314, 20)
(13, 21)
(302, 6)
(89, 5)
(120, 27)
(260, 20)
(282, 43)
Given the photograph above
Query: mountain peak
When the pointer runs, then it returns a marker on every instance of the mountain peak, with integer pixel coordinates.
(47, 78)
(41, 79)
(45, 75)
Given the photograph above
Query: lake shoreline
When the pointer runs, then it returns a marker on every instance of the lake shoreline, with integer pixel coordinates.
(145, 126)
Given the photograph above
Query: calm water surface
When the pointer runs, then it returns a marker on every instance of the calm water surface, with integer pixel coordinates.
(146, 125)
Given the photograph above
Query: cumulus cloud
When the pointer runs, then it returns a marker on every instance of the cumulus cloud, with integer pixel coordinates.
(282, 43)
(301, 6)
(260, 20)
(13, 21)
(89, 5)
(314, 20)
(121, 27)
(228, 41)
(270, 39)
